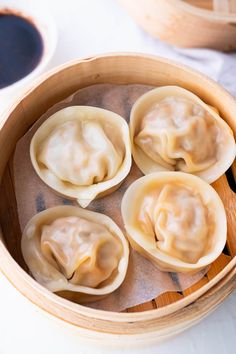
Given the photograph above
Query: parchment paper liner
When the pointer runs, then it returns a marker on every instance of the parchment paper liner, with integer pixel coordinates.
(144, 281)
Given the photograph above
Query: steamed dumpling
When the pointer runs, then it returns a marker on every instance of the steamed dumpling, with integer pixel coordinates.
(82, 152)
(178, 219)
(172, 129)
(175, 219)
(70, 249)
(172, 135)
(92, 155)
(84, 251)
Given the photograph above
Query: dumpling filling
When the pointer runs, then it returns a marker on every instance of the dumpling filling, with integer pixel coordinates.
(176, 219)
(85, 252)
(179, 135)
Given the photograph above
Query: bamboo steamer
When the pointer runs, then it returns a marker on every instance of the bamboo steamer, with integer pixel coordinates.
(187, 23)
(171, 312)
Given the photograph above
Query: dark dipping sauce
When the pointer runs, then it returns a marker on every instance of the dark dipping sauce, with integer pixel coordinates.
(21, 48)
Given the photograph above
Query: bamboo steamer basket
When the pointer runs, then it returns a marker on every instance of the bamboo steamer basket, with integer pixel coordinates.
(187, 23)
(171, 312)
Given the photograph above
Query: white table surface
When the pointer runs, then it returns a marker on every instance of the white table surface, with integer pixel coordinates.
(87, 27)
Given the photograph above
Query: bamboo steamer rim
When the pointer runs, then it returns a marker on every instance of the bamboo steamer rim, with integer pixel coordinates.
(18, 277)
(106, 315)
(93, 57)
(205, 13)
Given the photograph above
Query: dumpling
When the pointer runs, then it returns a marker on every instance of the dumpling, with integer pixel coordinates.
(72, 250)
(175, 219)
(82, 152)
(172, 129)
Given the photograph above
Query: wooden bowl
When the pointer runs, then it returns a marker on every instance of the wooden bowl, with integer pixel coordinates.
(187, 23)
(168, 314)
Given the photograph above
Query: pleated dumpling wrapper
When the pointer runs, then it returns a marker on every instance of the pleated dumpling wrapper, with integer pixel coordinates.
(174, 130)
(175, 219)
(77, 253)
(82, 152)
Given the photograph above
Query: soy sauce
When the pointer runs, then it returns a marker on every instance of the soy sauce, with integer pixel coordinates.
(21, 48)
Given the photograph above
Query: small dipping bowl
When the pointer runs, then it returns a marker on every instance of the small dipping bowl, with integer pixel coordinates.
(39, 17)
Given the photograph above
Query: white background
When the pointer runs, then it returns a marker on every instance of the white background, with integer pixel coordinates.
(87, 27)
